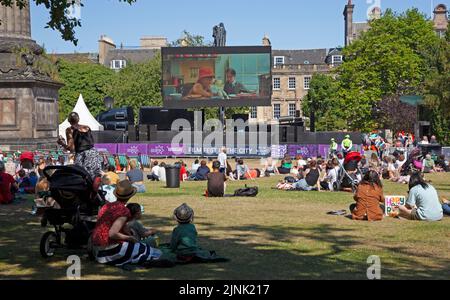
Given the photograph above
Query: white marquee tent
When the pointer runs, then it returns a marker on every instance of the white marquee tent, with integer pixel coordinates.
(86, 118)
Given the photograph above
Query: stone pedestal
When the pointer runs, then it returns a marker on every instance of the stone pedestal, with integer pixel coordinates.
(28, 96)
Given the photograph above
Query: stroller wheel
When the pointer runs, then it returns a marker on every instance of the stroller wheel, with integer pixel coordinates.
(48, 243)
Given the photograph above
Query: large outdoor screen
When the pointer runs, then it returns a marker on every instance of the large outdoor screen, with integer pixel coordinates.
(196, 77)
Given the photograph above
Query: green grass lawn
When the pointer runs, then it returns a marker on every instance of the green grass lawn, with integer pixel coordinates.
(277, 235)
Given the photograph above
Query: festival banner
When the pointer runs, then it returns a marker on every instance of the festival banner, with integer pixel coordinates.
(132, 149)
(106, 148)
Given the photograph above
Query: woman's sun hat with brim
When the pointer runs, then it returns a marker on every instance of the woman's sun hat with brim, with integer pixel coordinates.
(183, 214)
(124, 190)
(206, 73)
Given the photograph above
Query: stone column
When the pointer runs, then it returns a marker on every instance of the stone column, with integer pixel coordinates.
(15, 22)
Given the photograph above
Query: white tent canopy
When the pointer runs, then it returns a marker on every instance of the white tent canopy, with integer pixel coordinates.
(86, 118)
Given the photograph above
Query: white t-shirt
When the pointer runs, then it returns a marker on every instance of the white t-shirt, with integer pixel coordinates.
(195, 167)
(162, 174)
(222, 158)
(156, 170)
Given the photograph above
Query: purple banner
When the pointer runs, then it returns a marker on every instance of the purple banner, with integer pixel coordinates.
(109, 148)
(165, 150)
(132, 149)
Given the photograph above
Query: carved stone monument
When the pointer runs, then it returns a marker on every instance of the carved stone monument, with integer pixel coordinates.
(28, 95)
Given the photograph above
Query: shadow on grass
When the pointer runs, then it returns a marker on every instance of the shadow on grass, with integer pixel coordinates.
(320, 251)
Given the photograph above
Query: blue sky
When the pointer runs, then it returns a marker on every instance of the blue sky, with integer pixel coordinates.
(290, 24)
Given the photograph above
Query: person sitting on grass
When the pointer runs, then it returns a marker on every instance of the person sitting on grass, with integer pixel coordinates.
(112, 243)
(423, 202)
(8, 186)
(442, 165)
(286, 165)
(270, 167)
(136, 177)
(369, 198)
(184, 238)
(428, 165)
(242, 170)
(195, 166)
(216, 182)
(24, 183)
(154, 175)
(202, 172)
(311, 178)
(142, 234)
(113, 177)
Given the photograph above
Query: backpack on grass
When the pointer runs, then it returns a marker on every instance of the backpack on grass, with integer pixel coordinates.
(246, 192)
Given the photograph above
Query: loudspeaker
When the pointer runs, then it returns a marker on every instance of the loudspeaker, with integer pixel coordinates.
(132, 134)
(143, 133)
(291, 132)
(152, 132)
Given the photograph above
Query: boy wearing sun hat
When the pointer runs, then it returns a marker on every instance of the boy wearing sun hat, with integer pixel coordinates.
(184, 236)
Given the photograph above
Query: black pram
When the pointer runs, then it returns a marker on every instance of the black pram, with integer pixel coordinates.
(76, 193)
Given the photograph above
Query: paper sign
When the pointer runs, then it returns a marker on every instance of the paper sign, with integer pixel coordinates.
(392, 203)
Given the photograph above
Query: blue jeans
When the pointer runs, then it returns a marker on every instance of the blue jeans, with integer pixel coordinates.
(302, 185)
(140, 187)
(446, 209)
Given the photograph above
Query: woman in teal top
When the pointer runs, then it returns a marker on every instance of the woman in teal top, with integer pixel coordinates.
(286, 165)
(423, 202)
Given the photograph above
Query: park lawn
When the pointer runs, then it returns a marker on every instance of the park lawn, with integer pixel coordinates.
(277, 235)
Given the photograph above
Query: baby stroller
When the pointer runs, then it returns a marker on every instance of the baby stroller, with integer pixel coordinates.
(348, 173)
(413, 163)
(75, 192)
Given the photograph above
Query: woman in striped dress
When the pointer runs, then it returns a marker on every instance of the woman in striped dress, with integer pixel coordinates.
(112, 242)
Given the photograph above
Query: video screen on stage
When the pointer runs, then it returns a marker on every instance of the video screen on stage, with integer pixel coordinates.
(195, 77)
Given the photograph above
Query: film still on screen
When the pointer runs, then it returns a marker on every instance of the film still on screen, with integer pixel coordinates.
(219, 76)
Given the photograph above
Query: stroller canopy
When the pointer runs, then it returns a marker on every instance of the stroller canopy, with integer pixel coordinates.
(353, 156)
(26, 156)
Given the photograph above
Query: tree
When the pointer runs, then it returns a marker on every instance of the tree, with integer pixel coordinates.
(59, 17)
(191, 40)
(388, 61)
(138, 85)
(437, 90)
(89, 79)
(321, 103)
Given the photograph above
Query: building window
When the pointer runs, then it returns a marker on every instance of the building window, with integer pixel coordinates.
(306, 82)
(253, 112)
(278, 60)
(118, 64)
(276, 111)
(292, 109)
(292, 83)
(276, 83)
(336, 59)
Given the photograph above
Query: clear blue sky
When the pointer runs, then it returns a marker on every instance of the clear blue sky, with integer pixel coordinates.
(290, 24)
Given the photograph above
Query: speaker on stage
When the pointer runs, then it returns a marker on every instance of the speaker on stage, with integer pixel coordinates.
(291, 132)
(152, 132)
(143, 133)
(132, 133)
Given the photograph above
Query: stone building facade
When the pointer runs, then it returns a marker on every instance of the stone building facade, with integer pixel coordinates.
(291, 74)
